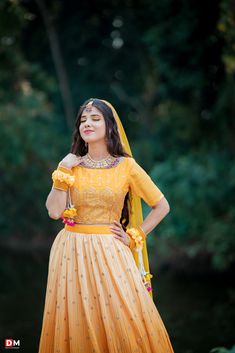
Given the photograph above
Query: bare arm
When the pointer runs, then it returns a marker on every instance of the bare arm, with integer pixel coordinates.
(56, 203)
(56, 200)
(159, 211)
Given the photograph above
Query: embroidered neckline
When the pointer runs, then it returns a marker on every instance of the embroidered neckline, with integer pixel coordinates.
(106, 163)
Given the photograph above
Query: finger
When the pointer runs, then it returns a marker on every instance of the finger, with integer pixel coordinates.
(117, 224)
(116, 232)
(119, 238)
(115, 227)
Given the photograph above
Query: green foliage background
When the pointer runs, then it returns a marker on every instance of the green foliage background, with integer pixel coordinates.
(169, 69)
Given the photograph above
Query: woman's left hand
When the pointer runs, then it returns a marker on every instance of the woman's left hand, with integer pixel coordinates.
(117, 229)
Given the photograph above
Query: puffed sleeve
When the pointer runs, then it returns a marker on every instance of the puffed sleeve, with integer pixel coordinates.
(142, 185)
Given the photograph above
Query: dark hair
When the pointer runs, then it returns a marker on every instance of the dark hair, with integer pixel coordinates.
(114, 145)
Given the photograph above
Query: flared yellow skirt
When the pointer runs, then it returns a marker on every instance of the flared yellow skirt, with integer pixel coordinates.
(95, 299)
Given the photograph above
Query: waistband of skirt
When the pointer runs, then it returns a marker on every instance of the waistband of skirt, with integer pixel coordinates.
(89, 228)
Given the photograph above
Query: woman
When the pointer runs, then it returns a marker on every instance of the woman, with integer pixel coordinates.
(98, 296)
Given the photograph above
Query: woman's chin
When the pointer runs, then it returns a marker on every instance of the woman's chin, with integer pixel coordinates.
(87, 139)
(93, 140)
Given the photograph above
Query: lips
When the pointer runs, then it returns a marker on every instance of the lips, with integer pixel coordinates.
(88, 131)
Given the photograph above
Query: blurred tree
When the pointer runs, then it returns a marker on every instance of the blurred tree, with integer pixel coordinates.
(202, 209)
(58, 60)
(168, 68)
(28, 133)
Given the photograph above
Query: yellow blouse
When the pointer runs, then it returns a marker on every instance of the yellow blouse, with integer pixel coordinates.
(98, 194)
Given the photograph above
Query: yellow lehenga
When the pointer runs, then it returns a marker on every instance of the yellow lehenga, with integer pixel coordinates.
(95, 298)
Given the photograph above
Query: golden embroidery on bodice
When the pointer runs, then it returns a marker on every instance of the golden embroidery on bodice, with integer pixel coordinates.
(98, 194)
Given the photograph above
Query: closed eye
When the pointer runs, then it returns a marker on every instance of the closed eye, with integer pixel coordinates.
(82, 121)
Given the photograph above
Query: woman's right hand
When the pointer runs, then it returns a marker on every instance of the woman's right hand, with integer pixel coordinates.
(70, 161)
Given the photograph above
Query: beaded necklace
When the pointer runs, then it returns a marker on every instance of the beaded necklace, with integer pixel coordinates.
(107, 162)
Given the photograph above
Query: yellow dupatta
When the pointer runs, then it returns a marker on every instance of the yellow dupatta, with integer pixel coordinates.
(135, 209)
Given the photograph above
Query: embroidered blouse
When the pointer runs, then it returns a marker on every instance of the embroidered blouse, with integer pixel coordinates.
(98, 194)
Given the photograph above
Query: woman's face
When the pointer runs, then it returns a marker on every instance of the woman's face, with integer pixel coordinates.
(92, 125)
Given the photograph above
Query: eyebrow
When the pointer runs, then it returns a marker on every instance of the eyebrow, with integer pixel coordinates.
(91, 115)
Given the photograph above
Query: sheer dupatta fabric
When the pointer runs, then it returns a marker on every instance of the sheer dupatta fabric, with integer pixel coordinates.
(135, 207)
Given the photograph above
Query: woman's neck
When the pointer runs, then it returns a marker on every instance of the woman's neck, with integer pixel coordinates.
(98, 152)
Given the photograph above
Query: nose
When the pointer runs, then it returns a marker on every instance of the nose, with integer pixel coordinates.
(87, 123)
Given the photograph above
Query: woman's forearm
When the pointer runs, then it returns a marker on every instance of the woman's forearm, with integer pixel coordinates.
(155, 216)
(56, 203)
